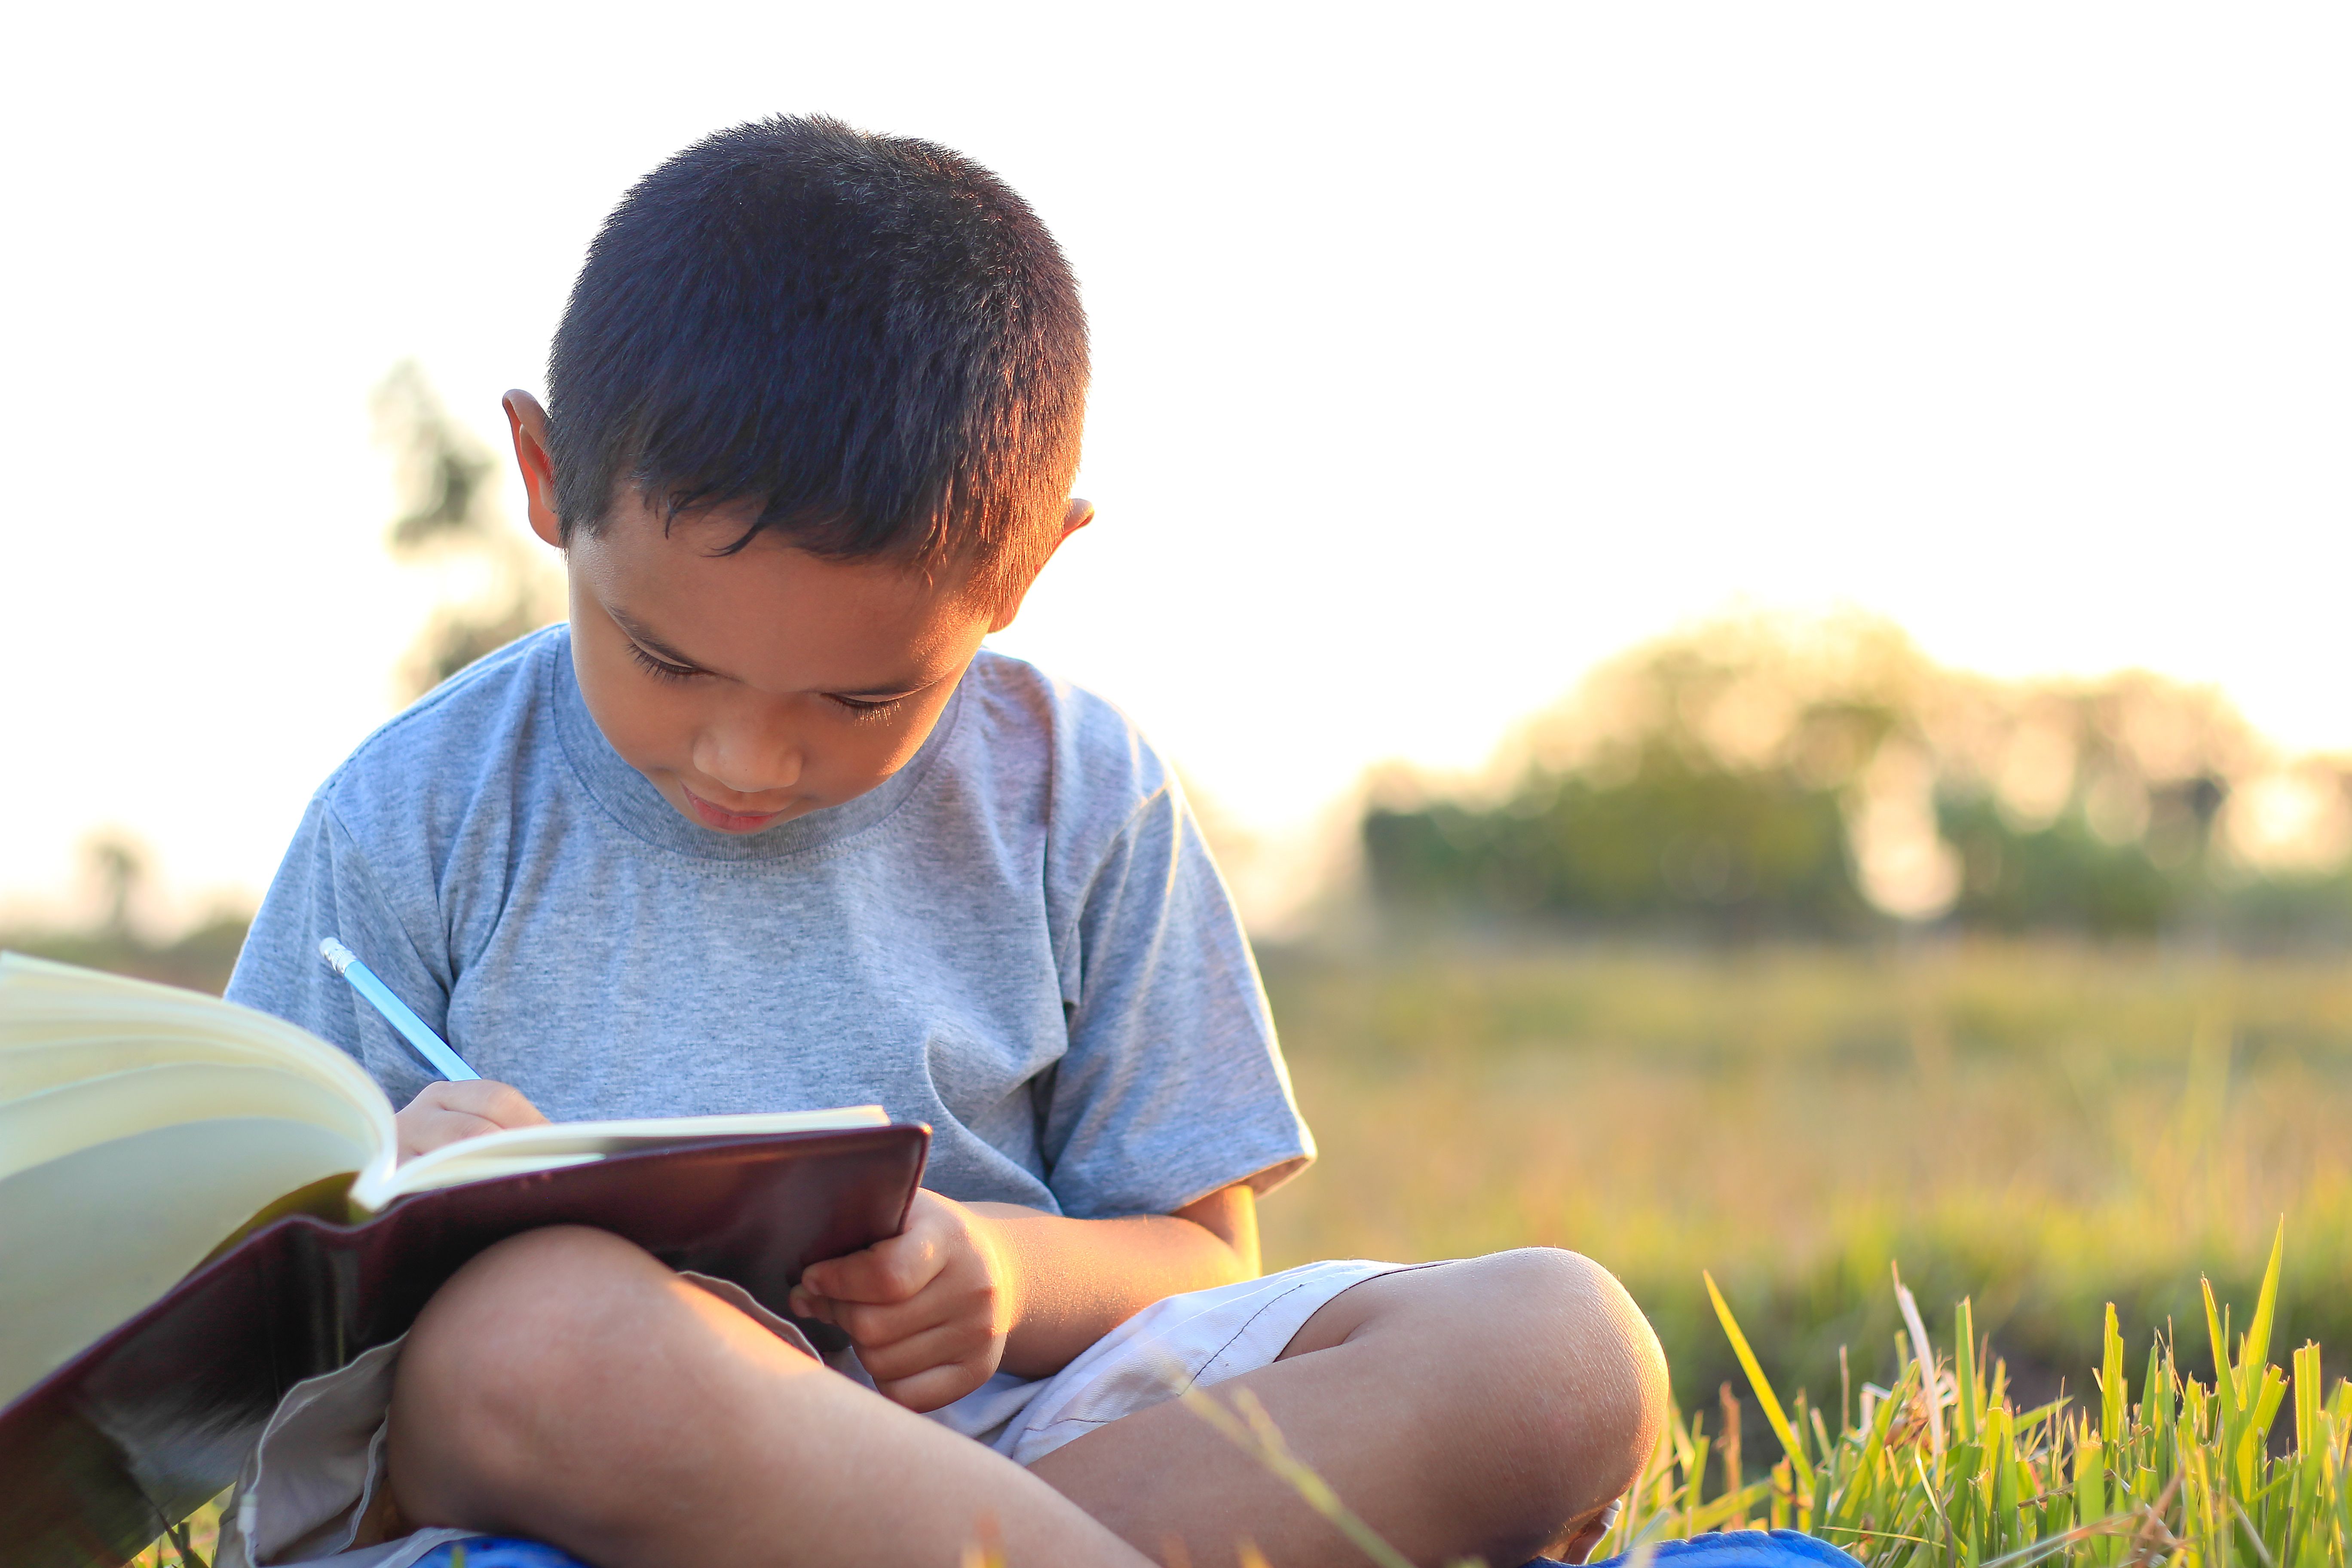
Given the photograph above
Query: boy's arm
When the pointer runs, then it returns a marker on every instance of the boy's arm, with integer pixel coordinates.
(968, 1289)
(1076, 1279)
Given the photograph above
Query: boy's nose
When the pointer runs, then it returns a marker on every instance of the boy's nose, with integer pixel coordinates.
(749, 762)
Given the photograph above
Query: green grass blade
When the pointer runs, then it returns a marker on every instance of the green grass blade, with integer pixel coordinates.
(1930, 1396)
(1764, 1394)
(2115, 1397)
(2307, 1396)
(2090, 1480)
(1716, 1514)
(1851, 1499)
(1964, 1369)
(2225, 1384)
(2251, 1443)
(2255, 1354)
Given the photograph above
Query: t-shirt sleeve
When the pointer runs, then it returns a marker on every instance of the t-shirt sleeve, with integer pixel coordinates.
(1172, 1086)
(325, 886)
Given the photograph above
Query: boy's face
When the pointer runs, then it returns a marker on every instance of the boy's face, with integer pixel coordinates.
(754, 688)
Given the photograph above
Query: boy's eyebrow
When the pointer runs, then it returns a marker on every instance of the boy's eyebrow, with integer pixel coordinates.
(654, 645)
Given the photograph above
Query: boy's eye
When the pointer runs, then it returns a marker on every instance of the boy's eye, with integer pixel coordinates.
(867, 707)
(660, 668)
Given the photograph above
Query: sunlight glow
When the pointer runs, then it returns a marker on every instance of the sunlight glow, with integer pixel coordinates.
(1438, 359)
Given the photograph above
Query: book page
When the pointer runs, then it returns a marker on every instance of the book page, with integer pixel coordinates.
(61, 1024)
(88, 1240)
(55, 1122)
(523, 1149)
(139, 1125)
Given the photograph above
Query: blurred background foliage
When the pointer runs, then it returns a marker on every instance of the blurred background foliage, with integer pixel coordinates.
(1767, 777)
(1774, 950)
(118, 940)
(497, 580)
(492, 583)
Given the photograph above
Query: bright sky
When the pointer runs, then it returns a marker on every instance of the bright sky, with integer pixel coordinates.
(1441, 350)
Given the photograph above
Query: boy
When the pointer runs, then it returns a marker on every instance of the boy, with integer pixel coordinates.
(763, 826)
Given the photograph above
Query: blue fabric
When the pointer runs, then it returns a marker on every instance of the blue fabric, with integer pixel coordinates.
(1732, 1549)
(496, 1551)
(1735, 1548)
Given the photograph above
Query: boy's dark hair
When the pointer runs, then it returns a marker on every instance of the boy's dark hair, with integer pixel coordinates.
(870, 336)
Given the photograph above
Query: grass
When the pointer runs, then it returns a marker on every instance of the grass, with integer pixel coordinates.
(194, 1543)
(2042, 1128)
(1945, 1469)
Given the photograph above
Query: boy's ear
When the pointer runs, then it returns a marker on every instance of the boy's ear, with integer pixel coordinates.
(1075, 516)
(528, 420)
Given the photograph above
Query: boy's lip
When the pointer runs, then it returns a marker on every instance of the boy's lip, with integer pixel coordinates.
(727, 821)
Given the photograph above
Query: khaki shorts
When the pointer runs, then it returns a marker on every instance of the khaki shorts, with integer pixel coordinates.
(309, 1486)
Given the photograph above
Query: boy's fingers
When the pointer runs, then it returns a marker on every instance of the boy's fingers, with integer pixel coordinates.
(942, 1386)
(450, 1126)
(445, 1113)
(884, 1273)
(944, 1344)
(423, 1134)
(501, 1104)
(872, 1327)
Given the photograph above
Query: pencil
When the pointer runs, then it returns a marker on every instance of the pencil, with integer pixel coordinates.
(415, 1030)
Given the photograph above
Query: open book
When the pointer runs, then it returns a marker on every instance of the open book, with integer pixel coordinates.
(201, 1205)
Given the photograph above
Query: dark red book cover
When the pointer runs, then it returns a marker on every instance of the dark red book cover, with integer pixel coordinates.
(135, 1433)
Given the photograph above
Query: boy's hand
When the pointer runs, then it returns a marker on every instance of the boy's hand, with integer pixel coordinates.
(928, 1310)
(446, 1112)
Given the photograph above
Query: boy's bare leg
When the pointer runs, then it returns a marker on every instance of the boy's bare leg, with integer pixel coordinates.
(1489, 1407)
(567, 1387)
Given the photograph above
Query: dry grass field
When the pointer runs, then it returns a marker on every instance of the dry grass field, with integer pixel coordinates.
(2042, 1127)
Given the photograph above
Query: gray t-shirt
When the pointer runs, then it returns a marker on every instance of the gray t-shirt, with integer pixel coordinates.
(1019, 938)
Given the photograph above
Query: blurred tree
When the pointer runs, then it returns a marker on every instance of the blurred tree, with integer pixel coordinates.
(503, 582)
(1675, 843)
(2061, 874)
(120, 868)
(1812, 777)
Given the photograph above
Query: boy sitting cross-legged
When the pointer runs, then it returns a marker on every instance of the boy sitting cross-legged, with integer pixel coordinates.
(764, 827)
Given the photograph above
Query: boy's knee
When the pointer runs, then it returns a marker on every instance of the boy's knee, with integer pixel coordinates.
(506, 1359)
(1591, 1359)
